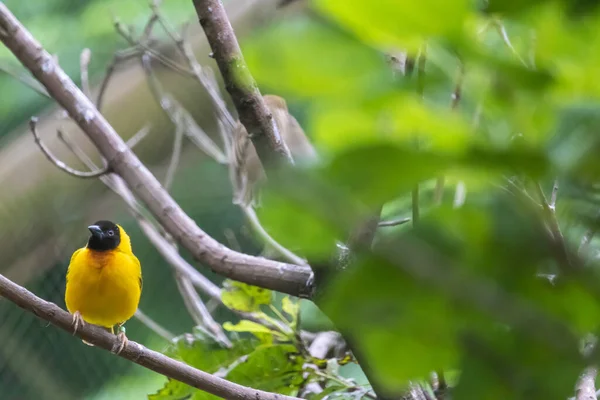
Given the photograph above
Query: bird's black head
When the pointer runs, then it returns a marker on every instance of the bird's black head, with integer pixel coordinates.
(105, 236)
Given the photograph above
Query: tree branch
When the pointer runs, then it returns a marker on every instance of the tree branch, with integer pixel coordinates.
(287, 278)
(58, 163)
(133, 351)
(240, 84)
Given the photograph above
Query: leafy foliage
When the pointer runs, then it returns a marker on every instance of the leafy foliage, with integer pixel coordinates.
(266, 355)
(496, 98)
(241, 297)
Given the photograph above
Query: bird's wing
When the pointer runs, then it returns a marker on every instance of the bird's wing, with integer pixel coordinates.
(75, 253)
(141, 281)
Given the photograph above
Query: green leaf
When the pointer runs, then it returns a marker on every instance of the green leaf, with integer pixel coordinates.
(327, 391)
(400, 24)
(210, 358)
(174, 390)
(274, 368)
(260, 331)
(501, 365)
(311, 235)
(291, 308)
(399, 169)
(202, 395)
(308, 58)
(392, 319)
(304, 213)
(205, 354)
(242, 297)
(397, 118)
(562, 45)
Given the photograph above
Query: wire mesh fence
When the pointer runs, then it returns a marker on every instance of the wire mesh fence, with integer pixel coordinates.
(38, 361)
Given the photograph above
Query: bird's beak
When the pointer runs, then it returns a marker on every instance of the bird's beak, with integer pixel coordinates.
(96, 231)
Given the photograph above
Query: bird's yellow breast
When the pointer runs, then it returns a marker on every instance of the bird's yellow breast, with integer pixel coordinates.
(104, 286)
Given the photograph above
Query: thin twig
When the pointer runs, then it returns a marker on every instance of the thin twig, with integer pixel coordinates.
(555, 231)
(175, 156)
(415, 205)
(267, 239)
(180, 117)
(197, 309)
(421, 92)
(457, 93)
(393, 222)
(150, 51)
(504, 35)
(138, 136)
(110, 70)
(153, 325)
(421, 63)
(118, 58)
(25, 79)
(532, 49)
(58, 163)
(133, 351)
(552, 203)
(460, 195)
(84, 63)
(455, 99)
(147, 32)
(585, 240)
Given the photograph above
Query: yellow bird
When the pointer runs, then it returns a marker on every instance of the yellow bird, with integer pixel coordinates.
(104, 280)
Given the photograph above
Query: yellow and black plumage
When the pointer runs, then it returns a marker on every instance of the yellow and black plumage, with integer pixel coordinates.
(104, 280)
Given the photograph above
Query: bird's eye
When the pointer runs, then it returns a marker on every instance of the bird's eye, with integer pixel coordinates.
(110, 233)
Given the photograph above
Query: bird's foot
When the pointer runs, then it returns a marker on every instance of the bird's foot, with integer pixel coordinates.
(77, 322)
(121, 341)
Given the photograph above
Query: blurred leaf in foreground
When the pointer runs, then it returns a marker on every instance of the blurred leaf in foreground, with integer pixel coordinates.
(308, 58)
(393, 24)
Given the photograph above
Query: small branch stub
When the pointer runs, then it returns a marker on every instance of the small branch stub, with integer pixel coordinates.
(59, 164)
